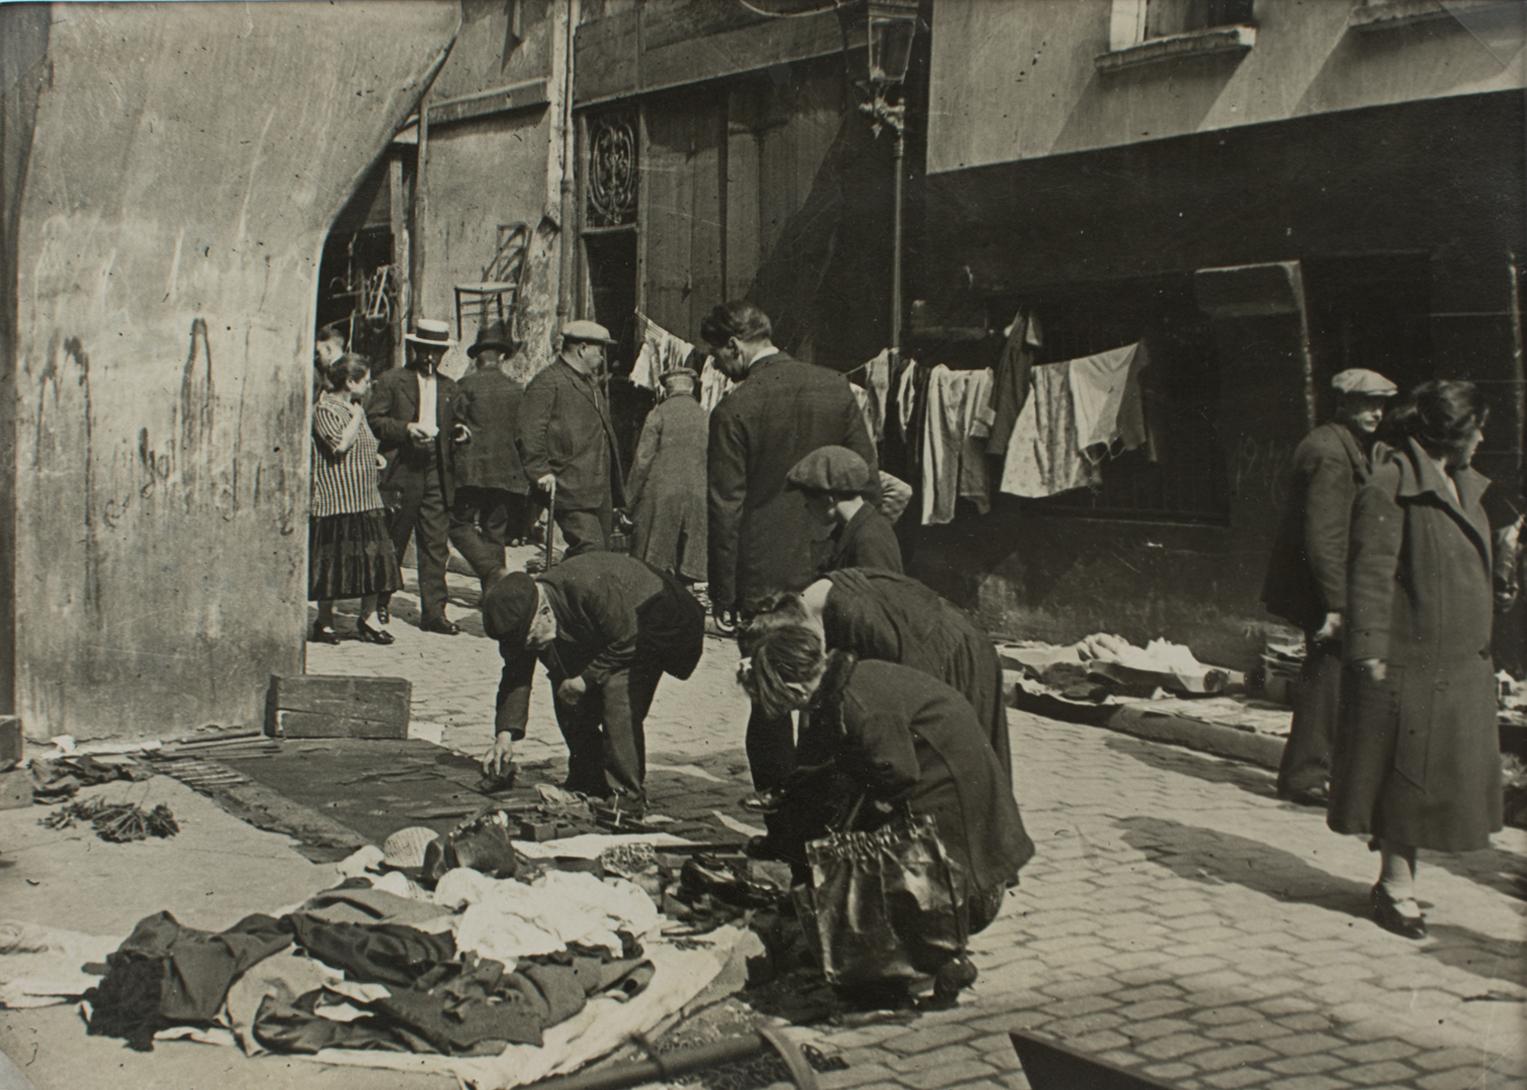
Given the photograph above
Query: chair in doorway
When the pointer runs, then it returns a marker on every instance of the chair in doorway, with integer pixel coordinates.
(502, 279)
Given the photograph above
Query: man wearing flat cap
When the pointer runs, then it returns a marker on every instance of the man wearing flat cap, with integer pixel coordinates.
(567, 442)
(666, 489)
(606, 627)
(1306, 581)
(415, 414)
(833, 480)
(491, 487)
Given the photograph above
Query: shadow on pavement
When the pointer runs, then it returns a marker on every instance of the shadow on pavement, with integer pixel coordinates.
(1211, 857)
(1254, 781)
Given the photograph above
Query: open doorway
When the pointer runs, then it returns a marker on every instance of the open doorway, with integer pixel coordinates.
(359, 282)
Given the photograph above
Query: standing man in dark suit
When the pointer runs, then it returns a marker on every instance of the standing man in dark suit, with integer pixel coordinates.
(761, 532)
(491, 485)
(415, 414)
(566, 439)
(1307, 576)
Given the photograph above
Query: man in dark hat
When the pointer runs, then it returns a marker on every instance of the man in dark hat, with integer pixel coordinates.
(607, 628)
(415, 414)
(1307, 575)
(491, 486)
(833, 480)
(761, 535)
(567, 442)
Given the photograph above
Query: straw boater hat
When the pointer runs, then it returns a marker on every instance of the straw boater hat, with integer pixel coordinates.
(432, 333)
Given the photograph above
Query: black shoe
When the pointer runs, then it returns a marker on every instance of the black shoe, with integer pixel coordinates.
(366, 634)
(442, 627)
(383, 614)
(1388, 916)
(323, 633)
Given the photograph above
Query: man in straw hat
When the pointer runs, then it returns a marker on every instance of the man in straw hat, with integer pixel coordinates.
(1307, 575)
(415, 414)
(491, 486)
(567, 442)
(666, 490)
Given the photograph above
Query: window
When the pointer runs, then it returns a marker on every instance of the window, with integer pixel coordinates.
(1144, 31)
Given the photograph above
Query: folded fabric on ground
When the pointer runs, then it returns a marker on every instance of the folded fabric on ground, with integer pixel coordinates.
(508, 919)
(42, 966)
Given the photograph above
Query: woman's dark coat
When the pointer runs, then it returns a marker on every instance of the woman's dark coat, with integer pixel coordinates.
(666, 491)
(1417, 757)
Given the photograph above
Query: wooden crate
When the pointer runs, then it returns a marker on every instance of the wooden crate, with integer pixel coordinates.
(338, 706)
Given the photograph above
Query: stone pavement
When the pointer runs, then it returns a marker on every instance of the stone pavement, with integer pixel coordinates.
(1179, 920)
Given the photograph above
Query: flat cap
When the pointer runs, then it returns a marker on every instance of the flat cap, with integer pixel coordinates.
(585, 330)
(1363, 383)
(830, 469)
(507, 609)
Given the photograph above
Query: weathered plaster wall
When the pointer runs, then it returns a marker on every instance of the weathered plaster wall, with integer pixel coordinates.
(1013, 81)
(185, 163)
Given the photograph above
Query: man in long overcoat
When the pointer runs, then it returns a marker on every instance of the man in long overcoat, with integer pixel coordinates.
(566, 439)
(666, 490)
(1306, 581)
(761, 532)
(415, 415)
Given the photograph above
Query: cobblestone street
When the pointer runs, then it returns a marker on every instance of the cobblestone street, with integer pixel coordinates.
(1178, 920)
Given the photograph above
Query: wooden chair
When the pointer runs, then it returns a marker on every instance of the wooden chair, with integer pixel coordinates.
(501, 278)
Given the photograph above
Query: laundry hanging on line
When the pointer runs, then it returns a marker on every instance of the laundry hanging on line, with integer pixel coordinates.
(956, 421)
(660, 351)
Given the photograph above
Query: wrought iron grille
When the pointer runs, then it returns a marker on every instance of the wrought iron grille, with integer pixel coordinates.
(612, 170)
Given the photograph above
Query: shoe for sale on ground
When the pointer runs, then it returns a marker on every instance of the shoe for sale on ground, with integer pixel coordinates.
(1387, 914)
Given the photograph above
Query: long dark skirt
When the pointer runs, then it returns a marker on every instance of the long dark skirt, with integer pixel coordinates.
(350, 556)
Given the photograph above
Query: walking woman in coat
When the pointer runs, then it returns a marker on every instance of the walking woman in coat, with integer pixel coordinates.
(350, 554)
(1417, 756)
(666, 491)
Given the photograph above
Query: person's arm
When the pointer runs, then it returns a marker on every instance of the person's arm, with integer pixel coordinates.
(875, 546)
(646, 451)
(536, 410)
(1327, 527)
(389, 431)
(512, 709)
(335, 430)
(880, 749)
(1377, 534)
(726, 461)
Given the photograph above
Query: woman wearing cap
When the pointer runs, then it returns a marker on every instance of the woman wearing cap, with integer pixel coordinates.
(1417, 756)
(666, 490)
(896, 737)
(349, 552)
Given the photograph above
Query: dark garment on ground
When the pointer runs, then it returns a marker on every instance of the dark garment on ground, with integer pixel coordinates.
(491, 408)
(666, 492)
(1306, 764)
(760, 531)
(565, 429)
(387, 953)
(1417, 759)
(165, 974)
(621, 625)
(483, 521)
(866, 541)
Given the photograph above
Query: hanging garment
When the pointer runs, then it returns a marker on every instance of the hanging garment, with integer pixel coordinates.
(906, 399)
(1010, 386)
(875, 379)
(975, 429)
(660, 351)
(943, 442)
(1110, 417)
(714, 385)
(1043, 455)
(866, 405)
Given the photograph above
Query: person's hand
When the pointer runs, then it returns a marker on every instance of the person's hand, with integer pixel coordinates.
(499, 759)
(545, 481)
(571, 691)
(381, 461)
(461, 434)
(419, 434)
(357, 409)
(1372, 669)
(1330, 629)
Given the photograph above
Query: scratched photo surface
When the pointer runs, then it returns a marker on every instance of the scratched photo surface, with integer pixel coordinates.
(363, 362)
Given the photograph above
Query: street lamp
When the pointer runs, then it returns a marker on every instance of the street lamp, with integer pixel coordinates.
(890, 26)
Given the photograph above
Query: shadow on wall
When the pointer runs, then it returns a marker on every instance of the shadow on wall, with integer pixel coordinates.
(826, 284)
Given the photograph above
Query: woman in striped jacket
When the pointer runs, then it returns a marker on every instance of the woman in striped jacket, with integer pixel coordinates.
(350, 554)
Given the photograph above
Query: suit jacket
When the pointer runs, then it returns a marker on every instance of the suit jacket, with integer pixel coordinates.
(761, 533)
(492, 410)
(565, 429)
(1307, 572)
(610, 610)
(393, 405)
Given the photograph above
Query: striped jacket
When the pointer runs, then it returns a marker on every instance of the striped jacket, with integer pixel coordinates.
(343, 484)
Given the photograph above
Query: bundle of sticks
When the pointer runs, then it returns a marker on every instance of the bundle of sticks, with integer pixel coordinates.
(117, 822)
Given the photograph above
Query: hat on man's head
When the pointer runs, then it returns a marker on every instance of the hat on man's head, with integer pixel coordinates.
(429, 332)
(1357, 382)
(508, 607)
(830, 469)
(492, 335)
(678, 370)
(585, 330)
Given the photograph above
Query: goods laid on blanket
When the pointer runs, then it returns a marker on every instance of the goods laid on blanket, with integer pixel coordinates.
(1104, 665)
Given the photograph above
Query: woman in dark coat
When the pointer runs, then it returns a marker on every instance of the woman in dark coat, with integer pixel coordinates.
(896, 736)
(1417, 761)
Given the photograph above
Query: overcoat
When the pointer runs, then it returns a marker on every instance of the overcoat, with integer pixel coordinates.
(909, 738)
(761, 533)
(892, 617)
(1307, 572)
(865, 541)
(491, 408)
(1417, 758)
(565, 429)
(666, 491)
(393, 405)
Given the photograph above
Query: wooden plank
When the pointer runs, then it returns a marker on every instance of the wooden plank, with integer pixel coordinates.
(746, 49)
(676, 22)
(605, 58)
(514, 96)
(293, 724)
(381, 700)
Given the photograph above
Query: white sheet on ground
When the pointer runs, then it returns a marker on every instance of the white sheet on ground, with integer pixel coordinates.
(42, 966)
(589, 845)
